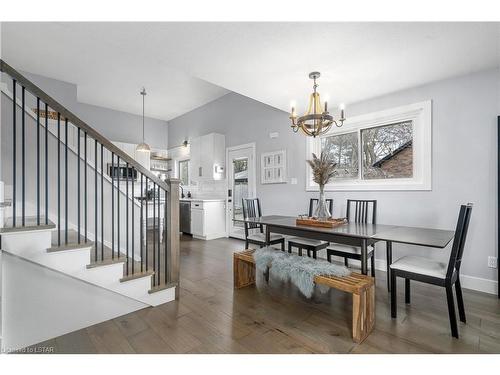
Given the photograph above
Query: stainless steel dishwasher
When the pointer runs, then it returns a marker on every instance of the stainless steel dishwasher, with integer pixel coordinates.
(185, 217)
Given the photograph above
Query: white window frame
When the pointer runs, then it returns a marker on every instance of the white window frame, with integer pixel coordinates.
(421, 116)
(179, 161)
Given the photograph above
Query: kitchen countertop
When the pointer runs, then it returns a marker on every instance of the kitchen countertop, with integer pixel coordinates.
(202, 200)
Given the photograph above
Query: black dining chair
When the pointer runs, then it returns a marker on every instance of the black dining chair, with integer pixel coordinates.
(254, 232)
(311, 245)
(436, 273)
(358, 211)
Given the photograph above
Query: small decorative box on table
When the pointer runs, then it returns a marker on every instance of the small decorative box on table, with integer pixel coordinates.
(313, 222)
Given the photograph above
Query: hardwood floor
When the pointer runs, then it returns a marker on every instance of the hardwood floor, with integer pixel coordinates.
(211, 317)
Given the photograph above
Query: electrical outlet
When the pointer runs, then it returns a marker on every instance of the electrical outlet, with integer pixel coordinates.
(492, 262)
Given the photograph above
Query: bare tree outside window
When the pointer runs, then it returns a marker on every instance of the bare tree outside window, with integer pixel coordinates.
(343, 149)
(388, 151)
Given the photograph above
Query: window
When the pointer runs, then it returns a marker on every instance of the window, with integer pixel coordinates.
(387, 150)
(343, 149)
(184, 172)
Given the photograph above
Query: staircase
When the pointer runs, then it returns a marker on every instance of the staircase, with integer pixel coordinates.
(68, 213)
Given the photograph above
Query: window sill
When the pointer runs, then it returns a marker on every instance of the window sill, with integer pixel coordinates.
(375, 186)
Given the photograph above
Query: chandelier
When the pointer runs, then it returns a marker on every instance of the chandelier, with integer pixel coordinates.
(317, 120)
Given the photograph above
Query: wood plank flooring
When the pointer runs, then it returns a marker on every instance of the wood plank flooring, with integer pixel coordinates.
(211, 317)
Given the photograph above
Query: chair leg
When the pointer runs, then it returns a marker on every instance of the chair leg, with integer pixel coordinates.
(300, 251)
(329, 257)
(451, 311)
(394, 307)
(373, 265)
(308, 253)
(346, 262)
(314, 254)
(283, 245)
(460, 301)
(289, 247)
(407, 291)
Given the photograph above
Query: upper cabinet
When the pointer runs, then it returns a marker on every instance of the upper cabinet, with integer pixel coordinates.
(208, 157)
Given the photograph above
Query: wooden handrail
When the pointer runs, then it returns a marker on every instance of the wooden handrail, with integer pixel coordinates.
(76, 121)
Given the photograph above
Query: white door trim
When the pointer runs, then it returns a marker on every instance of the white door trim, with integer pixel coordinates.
(253, 147)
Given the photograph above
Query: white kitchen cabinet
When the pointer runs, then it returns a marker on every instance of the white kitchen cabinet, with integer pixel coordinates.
(208, 157)
(208, 219)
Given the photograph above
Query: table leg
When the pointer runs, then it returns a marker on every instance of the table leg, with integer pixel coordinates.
(268, 235)
(388, 256)
(364, 258)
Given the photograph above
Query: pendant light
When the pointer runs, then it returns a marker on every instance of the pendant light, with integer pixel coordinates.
(143, 147)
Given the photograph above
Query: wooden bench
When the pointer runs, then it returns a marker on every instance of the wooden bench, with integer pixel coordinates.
(362, 288)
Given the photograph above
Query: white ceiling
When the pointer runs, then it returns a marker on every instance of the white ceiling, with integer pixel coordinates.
(185, 65)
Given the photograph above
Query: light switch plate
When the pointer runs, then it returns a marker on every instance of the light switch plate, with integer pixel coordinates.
(293, 181)
(274, 135)
(492, 262)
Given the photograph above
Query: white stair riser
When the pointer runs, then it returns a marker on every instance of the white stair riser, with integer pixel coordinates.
(26, 244)
(135, 288)
(105, 276)
(70, 261)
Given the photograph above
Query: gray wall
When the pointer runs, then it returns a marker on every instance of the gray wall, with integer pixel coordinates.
(115, 125)
(464, 163)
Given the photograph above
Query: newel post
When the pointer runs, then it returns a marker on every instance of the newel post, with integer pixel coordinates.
(173, 234)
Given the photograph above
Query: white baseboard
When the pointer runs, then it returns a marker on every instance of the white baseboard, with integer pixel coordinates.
(479, 284)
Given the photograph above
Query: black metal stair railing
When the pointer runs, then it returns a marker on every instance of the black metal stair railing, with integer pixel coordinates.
(162, 258)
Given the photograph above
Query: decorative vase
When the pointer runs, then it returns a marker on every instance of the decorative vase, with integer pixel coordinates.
(322, 212)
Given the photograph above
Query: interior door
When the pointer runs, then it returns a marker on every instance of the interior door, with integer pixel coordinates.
(241, 184)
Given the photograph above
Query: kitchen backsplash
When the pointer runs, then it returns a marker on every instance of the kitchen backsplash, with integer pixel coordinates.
(208, 189)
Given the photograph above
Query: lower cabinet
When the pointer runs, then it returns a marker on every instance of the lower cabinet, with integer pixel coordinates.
(208, 219)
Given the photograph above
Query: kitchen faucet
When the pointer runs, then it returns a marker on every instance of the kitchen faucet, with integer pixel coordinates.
(182, 191)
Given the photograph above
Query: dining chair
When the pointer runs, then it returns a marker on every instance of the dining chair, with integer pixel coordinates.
(254, 232)
(358, 211)
(308, 244)
(436, 273)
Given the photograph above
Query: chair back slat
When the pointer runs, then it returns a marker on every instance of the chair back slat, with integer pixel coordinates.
(314, 201)
(458, 246)
(361, 211)
(251, 209)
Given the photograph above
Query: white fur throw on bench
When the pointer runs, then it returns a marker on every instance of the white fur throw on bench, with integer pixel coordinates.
(301, 271)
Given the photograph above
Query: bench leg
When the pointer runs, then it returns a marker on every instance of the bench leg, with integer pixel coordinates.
(363, 314)
(244, 273)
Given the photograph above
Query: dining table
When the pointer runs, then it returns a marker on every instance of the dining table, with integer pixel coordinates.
(360, 235)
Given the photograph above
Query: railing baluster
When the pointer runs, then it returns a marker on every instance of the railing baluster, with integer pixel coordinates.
(142, 222)
(146, 223)
(126, 205)
(112, 205)
(23, 157)
(14, 152)
(66, 180)
(37, 161)
(95, 200)
(85, 187)
(118, 206)
(47, 164)
(159, 235)
(154, 233)
(165, 241)
(133, 228)
(78, 183)
(58, 179)
(102, 201)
